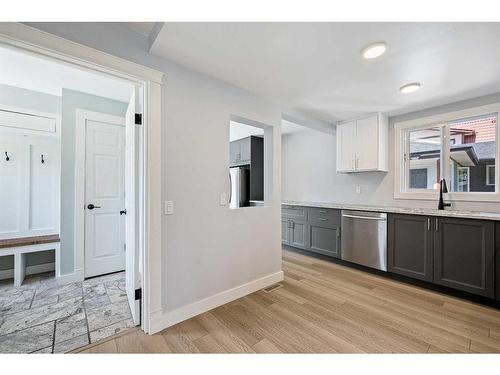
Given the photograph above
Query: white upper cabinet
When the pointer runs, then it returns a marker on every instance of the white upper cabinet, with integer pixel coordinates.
(362, 144)
(346, 156)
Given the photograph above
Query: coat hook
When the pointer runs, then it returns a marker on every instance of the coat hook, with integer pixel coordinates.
(43, 161)
(6, 156)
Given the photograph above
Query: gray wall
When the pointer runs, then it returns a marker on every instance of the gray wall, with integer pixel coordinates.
(377, 188)
(37, 101)
(229, 248)
(71, 100)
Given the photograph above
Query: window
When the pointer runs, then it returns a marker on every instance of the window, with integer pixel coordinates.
(423, 157)
(463, 179)
(460, 147)
(490, 175)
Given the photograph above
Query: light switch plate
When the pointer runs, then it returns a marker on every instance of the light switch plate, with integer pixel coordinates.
(223, 199)
(358, 189)
(168, 207)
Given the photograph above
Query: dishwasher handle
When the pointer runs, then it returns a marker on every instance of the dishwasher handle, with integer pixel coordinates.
(364, 217)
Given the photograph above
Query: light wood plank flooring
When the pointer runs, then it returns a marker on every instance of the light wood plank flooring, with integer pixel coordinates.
(324, 307)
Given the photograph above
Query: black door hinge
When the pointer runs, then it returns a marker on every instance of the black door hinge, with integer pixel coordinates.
(138, 118)
(138, 294)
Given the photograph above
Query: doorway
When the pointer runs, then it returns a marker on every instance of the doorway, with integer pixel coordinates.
(91, 285)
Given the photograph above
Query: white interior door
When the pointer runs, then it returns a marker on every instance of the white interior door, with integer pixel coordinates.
(104, 197)
(132, 168)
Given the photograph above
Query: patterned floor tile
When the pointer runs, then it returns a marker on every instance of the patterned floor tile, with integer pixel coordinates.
(71, 344)
(106, 315)
(110, 330)
(28, 340)
(42, 316)
(70, 327)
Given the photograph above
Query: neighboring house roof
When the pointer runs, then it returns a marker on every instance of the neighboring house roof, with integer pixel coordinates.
(484, 150)
(478, 152)
(484, 127)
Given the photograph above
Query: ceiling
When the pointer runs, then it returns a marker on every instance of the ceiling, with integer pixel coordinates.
(316, 69)
(33, 73)
(143, 28)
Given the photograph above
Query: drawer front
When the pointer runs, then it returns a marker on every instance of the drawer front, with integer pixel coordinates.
(324, 211)
(294, 212)
(325, 221)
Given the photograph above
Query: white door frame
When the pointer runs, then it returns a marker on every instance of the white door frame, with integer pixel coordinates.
(45, 45)
(79, 214)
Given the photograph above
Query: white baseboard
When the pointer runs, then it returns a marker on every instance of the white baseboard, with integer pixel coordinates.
(160, 320)
(70, 277)
(30, 270)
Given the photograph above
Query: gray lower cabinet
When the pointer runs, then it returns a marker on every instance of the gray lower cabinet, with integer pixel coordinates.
(312, 229)
(464, 255)
(285, 232)
(457, 253)
(294, 233)
(497, 258)
(324, 240)
(409, 246)
(298, 234)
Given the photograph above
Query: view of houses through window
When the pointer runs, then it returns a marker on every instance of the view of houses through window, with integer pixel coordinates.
(471, 153)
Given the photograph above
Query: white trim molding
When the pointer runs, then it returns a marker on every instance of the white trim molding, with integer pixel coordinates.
(161, 320)
(400, 130)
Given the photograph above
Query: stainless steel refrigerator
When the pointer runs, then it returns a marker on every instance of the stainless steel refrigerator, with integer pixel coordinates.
(240, 186)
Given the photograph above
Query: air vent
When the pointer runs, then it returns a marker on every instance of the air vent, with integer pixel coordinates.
(272, 288)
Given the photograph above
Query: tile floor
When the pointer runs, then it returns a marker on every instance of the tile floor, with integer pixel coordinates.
(43, 317)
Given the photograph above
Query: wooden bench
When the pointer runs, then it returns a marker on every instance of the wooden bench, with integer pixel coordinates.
(19, 247)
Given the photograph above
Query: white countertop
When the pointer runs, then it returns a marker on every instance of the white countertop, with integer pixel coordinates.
(400, 210)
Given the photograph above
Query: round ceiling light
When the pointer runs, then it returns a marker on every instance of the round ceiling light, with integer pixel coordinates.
(410, 87)
(374, 50)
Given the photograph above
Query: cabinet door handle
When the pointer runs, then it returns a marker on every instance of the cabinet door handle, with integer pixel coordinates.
(322, 219)
(428, 224)
(437, 225)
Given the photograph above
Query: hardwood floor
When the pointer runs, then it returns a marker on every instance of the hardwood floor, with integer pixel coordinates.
(324, 307)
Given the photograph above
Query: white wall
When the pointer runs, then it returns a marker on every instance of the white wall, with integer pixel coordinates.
(302, 154)
(207, 248)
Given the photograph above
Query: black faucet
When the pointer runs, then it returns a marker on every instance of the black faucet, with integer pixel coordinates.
(442, 189)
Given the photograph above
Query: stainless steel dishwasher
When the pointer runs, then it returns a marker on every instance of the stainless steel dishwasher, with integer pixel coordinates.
(364, 238)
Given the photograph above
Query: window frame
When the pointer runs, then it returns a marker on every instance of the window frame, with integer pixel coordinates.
(468, 177)
(488, 166)
(401, 144)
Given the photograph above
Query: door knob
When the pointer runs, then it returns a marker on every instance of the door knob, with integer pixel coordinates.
(91, 206)
(123, 212)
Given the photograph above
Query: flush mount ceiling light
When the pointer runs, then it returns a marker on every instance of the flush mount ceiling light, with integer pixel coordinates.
(410, 87)
(374, 50)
